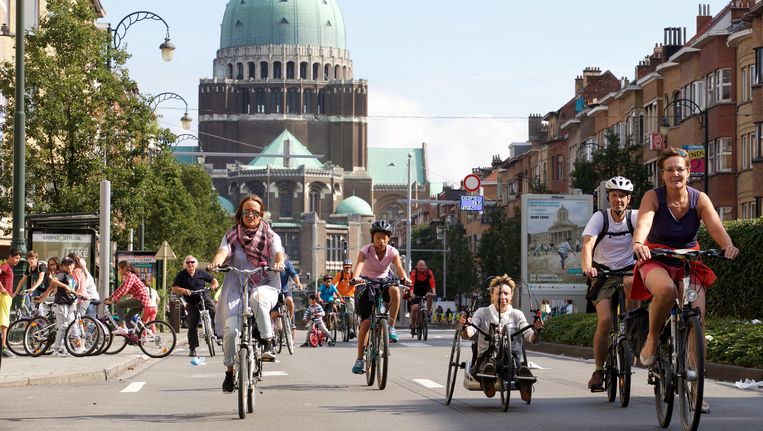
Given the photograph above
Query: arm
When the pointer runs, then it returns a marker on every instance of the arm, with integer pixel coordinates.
(400, 271)
(180, 291)
(123, 288)
(644, 224)
(222, 254)
(21, 283)
(431, 282)
(586, 256)
(48, 291)
(715, 227)
(359, 266)
(36, 284)
(214, 284)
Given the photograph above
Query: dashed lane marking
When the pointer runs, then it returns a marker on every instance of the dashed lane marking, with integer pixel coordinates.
(133, 387)
(415, 344)
(428, 384)
(274, 373)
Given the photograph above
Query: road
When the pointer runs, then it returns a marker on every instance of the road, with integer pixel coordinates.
(315, 390)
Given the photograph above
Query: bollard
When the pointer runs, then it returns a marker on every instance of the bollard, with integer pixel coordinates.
(174, 314)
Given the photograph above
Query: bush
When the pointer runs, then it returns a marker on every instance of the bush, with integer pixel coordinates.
(730, 341)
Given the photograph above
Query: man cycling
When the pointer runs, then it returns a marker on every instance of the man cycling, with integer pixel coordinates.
(374, 262)
(289, 273)
(607, 242)
(342, 281)
(190, 282)
(423, 287)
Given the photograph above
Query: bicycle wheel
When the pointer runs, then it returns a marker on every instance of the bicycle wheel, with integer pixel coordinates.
(505, 368)
(334, 326)
(286, 325)
(625, 359)
(314, 338)
(278, 335)
(157, 339)
(243, 381)
(84, 330)
(370, 353)
(208, 335)
(15, 341)
(37, 337)
(691, 373)
(345, 328)
(419, 328)
(382, 357)
(611, 373)
(664, 390)
(453, 366)
(424, 323)
(104, 337)
(115, 344)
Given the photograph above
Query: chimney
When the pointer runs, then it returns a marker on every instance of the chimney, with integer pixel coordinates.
(588, 73)
(533, 127)
(703, 17)
(674, 38)
(578, 84)
(642, 69)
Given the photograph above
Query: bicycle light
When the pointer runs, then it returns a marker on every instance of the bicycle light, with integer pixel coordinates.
(691, 295)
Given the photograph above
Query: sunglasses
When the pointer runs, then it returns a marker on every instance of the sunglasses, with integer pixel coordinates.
(251, 213)
(190, 262)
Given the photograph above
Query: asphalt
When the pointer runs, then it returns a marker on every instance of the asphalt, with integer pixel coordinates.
(48, 370)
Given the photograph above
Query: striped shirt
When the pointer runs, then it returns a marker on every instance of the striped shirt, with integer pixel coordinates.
(134, 287)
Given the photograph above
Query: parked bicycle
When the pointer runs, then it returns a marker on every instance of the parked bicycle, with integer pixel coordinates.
(82, 336)
(15, 333)
(206, 322)
(619, 360)
(680, 363)
(249, 359)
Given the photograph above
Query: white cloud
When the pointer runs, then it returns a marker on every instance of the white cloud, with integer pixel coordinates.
(455, 145)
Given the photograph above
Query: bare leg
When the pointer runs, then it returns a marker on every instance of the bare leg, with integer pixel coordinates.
(414, 315)
(603, 325)
(661, 286)
(363, 336)
(394, 304)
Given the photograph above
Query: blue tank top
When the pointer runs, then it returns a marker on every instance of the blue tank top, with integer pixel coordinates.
(671, 232)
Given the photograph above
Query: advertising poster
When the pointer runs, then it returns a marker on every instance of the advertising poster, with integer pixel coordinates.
(696, 160)
(146, 264)
(51, 244)
(552, 227)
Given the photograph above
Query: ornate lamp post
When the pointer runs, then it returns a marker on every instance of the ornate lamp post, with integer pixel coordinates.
(118, 32)
(185, 120)
(200, 158)
(694, 109)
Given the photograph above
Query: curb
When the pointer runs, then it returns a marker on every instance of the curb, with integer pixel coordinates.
(94, 376)
(722, 372)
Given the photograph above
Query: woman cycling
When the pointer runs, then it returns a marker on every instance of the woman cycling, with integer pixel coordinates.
(244, 246)
(669, 217)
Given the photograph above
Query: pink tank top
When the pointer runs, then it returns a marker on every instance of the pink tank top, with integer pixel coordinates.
(374, 268)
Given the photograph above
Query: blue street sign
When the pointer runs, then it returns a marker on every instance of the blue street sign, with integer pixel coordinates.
(471, 203)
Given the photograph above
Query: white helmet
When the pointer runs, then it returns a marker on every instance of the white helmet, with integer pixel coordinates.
(620, 183)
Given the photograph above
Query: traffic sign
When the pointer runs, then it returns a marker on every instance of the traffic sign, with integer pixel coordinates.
(471, 183)
(472, 203)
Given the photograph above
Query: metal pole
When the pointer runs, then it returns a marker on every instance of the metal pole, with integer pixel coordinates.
(445, 262)
(104, 276)
(19, 141)
(315, 251)
(707, 149)
(408, 256)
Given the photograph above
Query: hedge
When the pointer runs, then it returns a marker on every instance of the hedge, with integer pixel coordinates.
(730, 341)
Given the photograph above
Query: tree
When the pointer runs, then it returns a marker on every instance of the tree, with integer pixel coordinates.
(500, 249)
(611, 160)
(86, 122)
(461, 275)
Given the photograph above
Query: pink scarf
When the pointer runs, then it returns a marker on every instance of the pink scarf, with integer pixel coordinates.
(257, 243)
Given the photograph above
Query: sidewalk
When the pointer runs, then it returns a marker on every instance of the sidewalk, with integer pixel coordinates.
(49, 370)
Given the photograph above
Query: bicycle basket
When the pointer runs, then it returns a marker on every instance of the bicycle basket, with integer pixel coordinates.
(637, 328)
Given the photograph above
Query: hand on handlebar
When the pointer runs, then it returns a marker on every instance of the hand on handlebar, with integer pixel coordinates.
(464, 319)
(731, 252)
(590, 272)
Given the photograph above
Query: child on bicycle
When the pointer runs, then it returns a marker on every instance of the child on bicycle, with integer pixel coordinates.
(314, 316)
(374, 262)
(329, 295)
(499, 313)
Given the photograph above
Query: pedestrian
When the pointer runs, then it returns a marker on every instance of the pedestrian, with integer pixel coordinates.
(149, 313)
(6, 295)
(78, 272)
(189, 284)
(92, 289)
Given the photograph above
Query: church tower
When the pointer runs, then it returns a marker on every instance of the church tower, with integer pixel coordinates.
(284, 65)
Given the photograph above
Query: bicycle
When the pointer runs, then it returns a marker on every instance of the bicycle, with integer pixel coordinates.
(249, 359)
(345, 320)
(680, 363)
(619, 360)
(332, 320)
(39, 335)
(84, 329)
(155, 338)
(15, 333)
(317, 337)
(282, 327)
(206, 322)
(376, 353)
(422, 318)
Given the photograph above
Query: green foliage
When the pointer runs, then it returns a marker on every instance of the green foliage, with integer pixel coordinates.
(611, 160)
(731, 342)
(735, 294)
(460, 264)
(500, 250)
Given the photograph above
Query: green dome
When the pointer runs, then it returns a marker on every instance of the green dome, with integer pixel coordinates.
(354, 206)
(283, 22)
(226, 204)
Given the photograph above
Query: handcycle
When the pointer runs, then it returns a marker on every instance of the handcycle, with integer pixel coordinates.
(619, 360)
(249, 359)
(680, 363)
(506, 378)
(282, 326)
(155, 338)
(376, 353)
(206, 321)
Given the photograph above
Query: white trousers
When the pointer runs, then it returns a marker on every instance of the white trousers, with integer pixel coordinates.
(262, 300)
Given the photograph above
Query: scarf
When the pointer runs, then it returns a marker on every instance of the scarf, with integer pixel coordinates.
(256, 243)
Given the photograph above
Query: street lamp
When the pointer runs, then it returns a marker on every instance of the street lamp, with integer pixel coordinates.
(19, 146)
(185, 120)
(167, 47)
(695, 109)
(584, 150)
(200, 158)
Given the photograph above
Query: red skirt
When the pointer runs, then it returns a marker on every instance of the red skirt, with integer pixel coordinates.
(701, 273)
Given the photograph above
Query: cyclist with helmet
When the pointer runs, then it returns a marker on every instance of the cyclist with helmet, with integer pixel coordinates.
(374, 262)
(607, 240)
(342, 281)
(289, 273)
(423, 288)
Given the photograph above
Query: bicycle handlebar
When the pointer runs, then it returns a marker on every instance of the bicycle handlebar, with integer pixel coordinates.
(686, 253)
(242, 271)
(614, 273)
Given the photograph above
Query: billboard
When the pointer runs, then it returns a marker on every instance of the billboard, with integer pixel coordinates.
(552, 227)
(146, 264)
(59, 244)
(696, 161)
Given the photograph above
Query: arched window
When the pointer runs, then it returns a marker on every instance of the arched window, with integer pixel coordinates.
(316, 71)
(230, 71)
(677, 108)
(263, 70)
(315, 201)
(256, 188)
(277, 70)
(338, 72)
(285, 201)
(326, 72)
(239, 70)
(303, 70)
(344, 73)
(252, 73)
(290, 70)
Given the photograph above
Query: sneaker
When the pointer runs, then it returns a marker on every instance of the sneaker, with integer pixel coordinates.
(268, 355)
(305, 344)
(332, 343)
(219, 341)
(705, 407)
(596, 384)
(7, 353)
(525, 386)
(358, 367)
(393, 335)
(488, 387)
(192, 352)
(119, 331)
(80, 350)
(61, 354)
(228, 383)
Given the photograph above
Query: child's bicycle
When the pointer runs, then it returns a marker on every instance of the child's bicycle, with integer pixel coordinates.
(317, 337)
(156, 338)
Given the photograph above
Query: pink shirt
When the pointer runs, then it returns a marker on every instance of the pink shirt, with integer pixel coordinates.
(374, 268)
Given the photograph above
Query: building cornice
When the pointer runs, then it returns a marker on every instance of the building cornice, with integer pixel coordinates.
(654, 76)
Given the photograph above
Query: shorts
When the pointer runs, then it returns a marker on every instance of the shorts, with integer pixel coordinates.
(5, 309)
(286, 292)
(607, 289)
(674, 272)
(363, 302)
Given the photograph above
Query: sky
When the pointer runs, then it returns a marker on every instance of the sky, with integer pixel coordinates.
(461, 76)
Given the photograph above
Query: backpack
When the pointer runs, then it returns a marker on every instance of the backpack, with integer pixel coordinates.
(605, 228)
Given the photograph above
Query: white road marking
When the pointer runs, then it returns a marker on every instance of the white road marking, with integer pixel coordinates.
(133, 387)
(274, 373)
(415, 344)
(428, 383)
